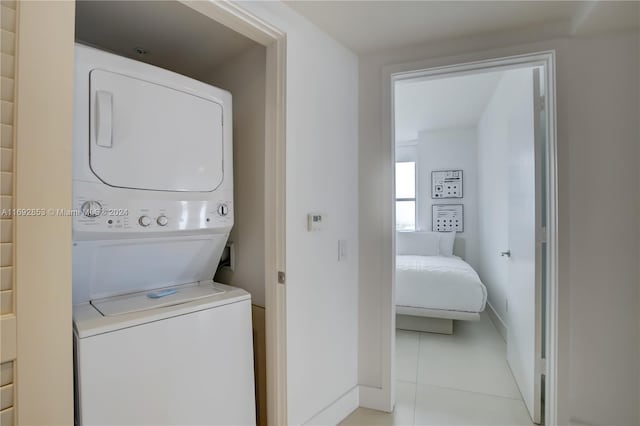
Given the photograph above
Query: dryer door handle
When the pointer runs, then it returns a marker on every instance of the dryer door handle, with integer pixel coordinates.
(104, 118)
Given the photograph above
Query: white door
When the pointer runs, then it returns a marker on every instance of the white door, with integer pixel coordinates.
(524, 292)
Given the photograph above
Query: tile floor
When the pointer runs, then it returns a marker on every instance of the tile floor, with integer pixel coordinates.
(462, 379)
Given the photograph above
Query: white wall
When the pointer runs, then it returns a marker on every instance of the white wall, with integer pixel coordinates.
(493, 184)
(451, 149)
(446, 149)
(603, 172)
(597, 111)
(244, 77)
(322, 167)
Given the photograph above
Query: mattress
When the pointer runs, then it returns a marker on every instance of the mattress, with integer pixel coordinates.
(438, 282)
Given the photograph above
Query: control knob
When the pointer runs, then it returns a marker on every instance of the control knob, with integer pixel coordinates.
(162, 220)
(91, 208)
(223, 209)
(144, 220)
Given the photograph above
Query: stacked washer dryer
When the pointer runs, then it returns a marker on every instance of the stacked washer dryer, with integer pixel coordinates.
(156, 341)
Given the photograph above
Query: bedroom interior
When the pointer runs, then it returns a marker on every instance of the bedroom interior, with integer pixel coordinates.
(466, 208)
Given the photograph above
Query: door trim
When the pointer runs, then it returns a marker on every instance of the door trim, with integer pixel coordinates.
(547, 60)
(42, 182)
(235, 17)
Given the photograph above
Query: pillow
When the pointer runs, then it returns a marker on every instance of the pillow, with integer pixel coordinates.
(417, 243)
(446, 243)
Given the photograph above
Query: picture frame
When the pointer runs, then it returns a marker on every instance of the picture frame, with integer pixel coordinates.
(447, 217)
(447, 184)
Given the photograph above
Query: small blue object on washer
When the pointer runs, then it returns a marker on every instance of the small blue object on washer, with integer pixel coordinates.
(161, 293)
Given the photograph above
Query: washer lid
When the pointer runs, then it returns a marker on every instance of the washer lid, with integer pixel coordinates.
(145, 135)
(143, 301)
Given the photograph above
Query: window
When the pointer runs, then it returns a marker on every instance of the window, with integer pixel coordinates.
(406, 196)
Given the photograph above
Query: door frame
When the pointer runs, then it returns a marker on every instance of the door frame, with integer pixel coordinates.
(547, 60)
(235, 17)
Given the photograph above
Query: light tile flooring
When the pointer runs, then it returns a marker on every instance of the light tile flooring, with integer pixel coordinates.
(462, 379)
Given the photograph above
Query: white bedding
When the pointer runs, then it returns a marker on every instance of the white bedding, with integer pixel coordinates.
(438, 282)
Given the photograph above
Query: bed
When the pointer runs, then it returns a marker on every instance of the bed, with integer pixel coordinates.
(434, 286)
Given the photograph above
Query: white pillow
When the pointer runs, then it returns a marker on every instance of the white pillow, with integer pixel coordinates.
(447, 239)
(417, 243)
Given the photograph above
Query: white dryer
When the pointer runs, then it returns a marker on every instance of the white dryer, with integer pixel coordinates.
(155, 340)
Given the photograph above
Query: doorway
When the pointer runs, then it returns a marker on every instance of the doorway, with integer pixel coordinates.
(454, 195)
(223, 45)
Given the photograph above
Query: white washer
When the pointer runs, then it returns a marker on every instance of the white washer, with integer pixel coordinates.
(155, 341)
(189, 363)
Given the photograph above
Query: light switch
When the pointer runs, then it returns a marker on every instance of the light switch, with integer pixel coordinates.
(342, 250)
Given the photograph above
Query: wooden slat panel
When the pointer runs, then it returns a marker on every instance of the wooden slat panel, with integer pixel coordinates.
(6, 203)
(6, 159)
(8, 43)
(6, 89)
(6, 278)
(6, 183)
(7, 68)
(6, 397)
(6, 302)
(6, 373)
(8, 21)
(7, 417)
(8, 338)
(6, 230)
(6, 136)
(7, 319)
(6, 254)
(6, 113)
(11, 4)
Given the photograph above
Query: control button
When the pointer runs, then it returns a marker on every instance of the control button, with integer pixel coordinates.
(162, 220)
(223, 209)
(144, 220)
(91, 208)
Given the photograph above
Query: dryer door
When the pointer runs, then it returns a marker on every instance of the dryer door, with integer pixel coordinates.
(147, 136)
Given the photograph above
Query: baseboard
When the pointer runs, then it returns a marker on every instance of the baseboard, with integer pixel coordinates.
(497, 321)
(375, 398)
(338, 410)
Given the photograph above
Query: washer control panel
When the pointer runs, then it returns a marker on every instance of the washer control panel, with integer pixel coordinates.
(103, 215)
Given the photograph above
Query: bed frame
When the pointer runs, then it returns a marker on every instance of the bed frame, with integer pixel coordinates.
(433, 320)
(430, 320)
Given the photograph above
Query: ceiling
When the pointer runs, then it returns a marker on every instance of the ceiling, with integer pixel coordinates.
(175, 36)
(444, 103)
(365, 26)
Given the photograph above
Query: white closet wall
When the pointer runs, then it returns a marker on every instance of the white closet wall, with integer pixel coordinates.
(244, 77)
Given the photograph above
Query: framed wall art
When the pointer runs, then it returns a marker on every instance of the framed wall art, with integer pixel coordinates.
(447, 217)
(446, 184)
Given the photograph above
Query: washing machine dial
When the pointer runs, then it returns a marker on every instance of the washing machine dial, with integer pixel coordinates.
(91, 208)
(144, 220)
(223, 209)
(162, 220)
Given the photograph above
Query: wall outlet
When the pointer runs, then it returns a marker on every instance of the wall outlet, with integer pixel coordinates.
(342, 250)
